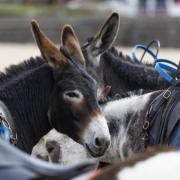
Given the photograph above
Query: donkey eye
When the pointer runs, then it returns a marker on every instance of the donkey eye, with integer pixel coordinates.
(72, 94)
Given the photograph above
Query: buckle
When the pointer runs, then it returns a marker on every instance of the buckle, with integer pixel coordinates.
(145, 137)
(146, 125)
(167, 94)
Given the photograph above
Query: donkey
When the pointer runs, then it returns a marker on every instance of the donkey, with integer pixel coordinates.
(56, 147)
(149, 165)
(110, 67)
(98, 45)
(55, 92)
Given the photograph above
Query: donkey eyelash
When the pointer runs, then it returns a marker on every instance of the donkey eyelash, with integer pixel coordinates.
(72, 94)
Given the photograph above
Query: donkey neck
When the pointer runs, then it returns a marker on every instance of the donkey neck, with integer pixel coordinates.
(125, 118)
(132, 76)
(27, 97)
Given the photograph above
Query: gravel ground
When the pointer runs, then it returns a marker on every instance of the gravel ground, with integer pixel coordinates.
(15, 53)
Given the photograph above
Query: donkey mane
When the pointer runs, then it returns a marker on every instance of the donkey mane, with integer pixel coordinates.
(120, 54)
(14, 71)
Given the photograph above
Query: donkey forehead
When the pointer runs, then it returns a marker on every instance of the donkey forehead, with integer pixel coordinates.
(76, 77)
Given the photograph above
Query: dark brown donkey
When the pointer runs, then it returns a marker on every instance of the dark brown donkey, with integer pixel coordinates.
(55, 92)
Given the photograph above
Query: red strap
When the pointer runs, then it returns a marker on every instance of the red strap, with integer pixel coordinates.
(94, 174)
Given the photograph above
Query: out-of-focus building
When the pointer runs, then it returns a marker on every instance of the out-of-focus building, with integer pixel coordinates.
(141, 20)
(129, 8)
(39, 1)
(34, 1)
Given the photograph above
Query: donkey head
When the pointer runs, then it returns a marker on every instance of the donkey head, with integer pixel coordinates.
(98, 44)
(73, 108)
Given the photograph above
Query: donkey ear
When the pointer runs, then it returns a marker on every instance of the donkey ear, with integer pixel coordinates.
(106, 36)
(70, 40)
(48, 49)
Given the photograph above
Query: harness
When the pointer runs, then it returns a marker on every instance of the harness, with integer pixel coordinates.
(162, 116)
(7, 127)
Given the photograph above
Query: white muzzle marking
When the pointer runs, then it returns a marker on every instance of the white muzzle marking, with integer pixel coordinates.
(97, 128)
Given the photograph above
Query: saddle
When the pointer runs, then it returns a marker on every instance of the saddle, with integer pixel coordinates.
(163, 115)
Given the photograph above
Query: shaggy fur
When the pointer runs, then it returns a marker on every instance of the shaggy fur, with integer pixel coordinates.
(25, 88)
(125, 76)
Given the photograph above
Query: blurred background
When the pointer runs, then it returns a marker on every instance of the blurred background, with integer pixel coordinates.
(141, 21)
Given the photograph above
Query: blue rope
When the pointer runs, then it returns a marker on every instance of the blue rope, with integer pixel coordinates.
(140, 46)
(161, 65)
(160, 68)
(5, 134)
(146, 49)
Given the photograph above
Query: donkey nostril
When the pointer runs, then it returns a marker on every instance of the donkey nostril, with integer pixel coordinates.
(50, 146)
(99, 142)
(54, 151)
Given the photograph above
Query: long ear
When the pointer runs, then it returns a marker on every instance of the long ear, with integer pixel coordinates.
(106, 36)
(48, 49)
(70, 40)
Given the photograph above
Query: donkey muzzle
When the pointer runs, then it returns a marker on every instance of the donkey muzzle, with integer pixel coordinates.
(97, 136)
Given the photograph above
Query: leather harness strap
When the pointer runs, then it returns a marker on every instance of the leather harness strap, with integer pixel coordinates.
(158, 123)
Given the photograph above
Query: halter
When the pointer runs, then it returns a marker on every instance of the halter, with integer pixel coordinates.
(162, 66)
